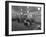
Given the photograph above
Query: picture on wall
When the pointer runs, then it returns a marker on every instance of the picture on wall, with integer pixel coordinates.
(24, 18)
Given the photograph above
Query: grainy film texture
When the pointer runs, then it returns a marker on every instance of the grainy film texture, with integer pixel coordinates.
(26, 18)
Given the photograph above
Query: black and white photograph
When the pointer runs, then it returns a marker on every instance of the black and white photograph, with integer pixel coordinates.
(25, 18)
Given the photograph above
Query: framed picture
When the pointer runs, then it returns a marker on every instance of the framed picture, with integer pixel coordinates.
(24, 18)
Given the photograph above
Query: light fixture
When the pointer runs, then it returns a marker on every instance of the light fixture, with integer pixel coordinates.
(38, 8)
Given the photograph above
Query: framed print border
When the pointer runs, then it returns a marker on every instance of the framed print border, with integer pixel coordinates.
(7, 17)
